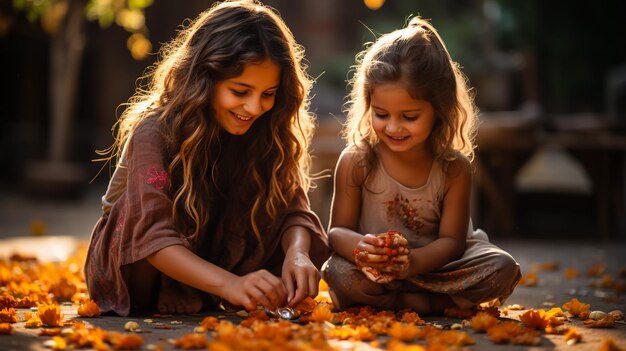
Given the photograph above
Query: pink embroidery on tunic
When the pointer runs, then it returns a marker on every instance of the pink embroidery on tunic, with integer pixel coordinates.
(120, 224)
(156, 178)
(117, 232)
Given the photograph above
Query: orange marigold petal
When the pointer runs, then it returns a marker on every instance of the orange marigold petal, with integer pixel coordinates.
(404, 332)
(50, 315)
(483, 321)
(576, 307)
(6, 329)
(89, 309)
(191, 341)
(572, 334)
(536, 319)
(322, 313)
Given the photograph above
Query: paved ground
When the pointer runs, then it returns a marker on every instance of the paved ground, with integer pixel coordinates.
(67, 223)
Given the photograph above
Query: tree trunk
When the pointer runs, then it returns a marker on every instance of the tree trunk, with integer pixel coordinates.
(57, 175)
(66, 57)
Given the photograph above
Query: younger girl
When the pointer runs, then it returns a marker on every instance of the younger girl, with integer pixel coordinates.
(209, 193)
(407, 168)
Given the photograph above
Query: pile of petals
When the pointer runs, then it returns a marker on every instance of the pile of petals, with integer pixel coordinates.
(34, 293)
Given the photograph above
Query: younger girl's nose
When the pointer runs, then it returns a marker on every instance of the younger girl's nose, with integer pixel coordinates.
(393, 127)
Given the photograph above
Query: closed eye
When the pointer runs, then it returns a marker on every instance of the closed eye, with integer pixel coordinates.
(239, 92)
(269, 94)
(380, 115)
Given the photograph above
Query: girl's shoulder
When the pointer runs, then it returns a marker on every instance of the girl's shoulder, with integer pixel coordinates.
(353, 156)
(147, 130)
(456, 166)
(347, 158)
(355, 163)
(352, 151)
(147, 125)
(147, 137)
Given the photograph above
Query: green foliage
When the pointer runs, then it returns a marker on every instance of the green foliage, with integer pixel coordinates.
(139, 4)
(128, 14)
(33, 9)
(105, 12)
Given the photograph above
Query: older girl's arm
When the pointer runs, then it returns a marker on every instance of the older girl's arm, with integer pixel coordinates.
(260, 287)
(299, 274)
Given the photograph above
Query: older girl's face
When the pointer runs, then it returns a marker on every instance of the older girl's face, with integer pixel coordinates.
(239, 101)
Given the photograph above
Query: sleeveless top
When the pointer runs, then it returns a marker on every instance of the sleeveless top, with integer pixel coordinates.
(414, 212)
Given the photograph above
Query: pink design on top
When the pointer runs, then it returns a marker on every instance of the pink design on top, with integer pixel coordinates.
(157, 178)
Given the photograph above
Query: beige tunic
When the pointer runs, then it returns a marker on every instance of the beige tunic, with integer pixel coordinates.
(485, 272)
(137, 221)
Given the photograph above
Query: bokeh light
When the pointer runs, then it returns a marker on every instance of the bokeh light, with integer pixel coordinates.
(374, 4)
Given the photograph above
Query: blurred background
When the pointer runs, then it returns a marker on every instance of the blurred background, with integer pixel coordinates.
(549, 79)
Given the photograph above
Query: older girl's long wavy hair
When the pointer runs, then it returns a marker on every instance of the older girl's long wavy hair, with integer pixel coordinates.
(417, 57)
(275, 161)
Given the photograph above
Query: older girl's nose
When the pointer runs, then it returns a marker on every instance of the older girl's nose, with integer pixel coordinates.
(253, 106)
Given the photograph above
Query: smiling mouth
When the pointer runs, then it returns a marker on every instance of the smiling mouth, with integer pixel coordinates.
(399, 138)
(243, 118)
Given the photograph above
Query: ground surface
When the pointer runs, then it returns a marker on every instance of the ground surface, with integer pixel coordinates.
(68, 223)
(552, 290)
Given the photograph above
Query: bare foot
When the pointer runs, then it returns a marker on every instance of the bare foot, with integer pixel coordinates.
(432, 304)
(455, 312)
(417, 302)
(177, 298)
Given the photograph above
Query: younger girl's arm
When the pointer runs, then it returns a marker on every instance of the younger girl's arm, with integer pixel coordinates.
(455, 217)
(260, 287)
(345, 210)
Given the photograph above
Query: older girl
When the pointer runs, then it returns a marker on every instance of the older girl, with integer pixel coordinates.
(209, 192)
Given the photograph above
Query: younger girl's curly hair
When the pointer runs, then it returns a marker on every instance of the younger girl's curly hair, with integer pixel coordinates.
(273, 155)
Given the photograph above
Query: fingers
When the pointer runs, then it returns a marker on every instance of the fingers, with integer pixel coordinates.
(373, 240)
(314, 284)
(371, 244)
(372, 258)
(383, 257)
(306, 282)
(288, 280)
(393, 239)
(264, 288)
(398, 240)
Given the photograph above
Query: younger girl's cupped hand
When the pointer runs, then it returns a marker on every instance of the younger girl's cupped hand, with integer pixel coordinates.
(370, 251)
(257, 288)
(383, 257)
(300, 276)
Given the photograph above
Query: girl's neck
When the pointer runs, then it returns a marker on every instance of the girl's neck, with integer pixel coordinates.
(410, 169)
(414, 156)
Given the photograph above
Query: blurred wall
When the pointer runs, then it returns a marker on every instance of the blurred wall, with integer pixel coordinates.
(556, 55)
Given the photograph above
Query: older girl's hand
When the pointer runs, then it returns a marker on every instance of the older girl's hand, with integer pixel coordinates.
(256, 288)
(300, 277)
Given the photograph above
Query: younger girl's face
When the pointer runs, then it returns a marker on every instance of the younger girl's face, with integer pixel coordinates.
(400, 122)
(239, 101)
